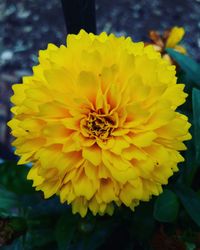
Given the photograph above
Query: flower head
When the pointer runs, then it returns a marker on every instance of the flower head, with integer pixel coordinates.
(98, 121)
(169, 39)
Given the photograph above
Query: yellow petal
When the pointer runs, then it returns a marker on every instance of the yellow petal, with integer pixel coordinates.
(53, 110)
(175, 95)
(49, 188)
(67, 193)
(33, 175)
(83, 186)
(106, 191)
(92, 154)
(142, 139)
(79, 205)
(91, 171)
(62, 77)
(94, 206)
(130, 192)
(119, 145)
(87, 85)
(134, 153)
(175, 37)
(120, 169)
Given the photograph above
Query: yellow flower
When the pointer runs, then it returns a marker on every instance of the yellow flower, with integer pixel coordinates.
(169, 39)
(98, 121)
(175, 36)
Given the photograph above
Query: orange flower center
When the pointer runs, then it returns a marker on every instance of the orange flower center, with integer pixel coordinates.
(98, 126)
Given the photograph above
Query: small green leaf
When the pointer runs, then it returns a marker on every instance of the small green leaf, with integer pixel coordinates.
(13, 178)
(191, 202)
(188, 65)
(8, 200)
(166, 207)
(65, 229)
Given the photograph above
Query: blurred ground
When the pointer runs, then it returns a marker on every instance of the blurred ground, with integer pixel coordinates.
(27, 26)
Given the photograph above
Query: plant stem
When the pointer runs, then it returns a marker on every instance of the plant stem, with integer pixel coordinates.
(79, 14)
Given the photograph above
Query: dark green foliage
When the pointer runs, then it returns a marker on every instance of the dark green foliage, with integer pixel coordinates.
(65, 229)
(8, 200)
(13, 178)
(166, 207)
(188, 65)
(190, 201)
(196, 120)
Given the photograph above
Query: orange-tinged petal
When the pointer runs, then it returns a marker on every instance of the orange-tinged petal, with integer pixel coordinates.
(87, 85)
(180, 49)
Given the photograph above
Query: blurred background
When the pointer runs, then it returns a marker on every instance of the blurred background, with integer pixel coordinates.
(27, 26)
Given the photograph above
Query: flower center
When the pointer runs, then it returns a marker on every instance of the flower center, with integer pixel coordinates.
(98, 126)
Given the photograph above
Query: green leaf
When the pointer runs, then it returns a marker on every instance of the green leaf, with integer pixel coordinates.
(191, 202)
(196, 120)
(189, 168)
(65, 230)
(188, 65)
(166, 207)
(8, 200)
(13, 178)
